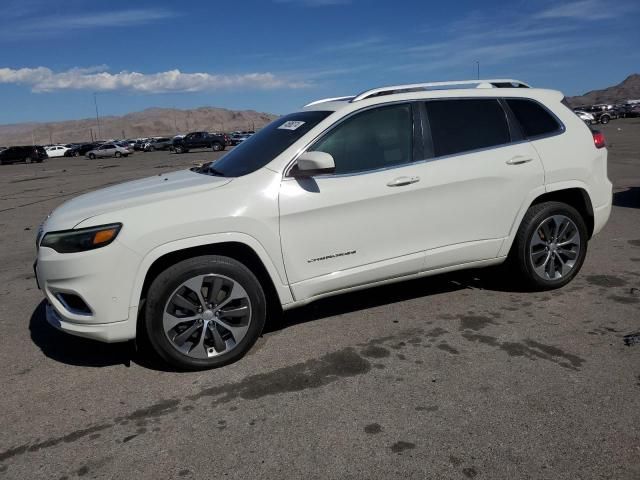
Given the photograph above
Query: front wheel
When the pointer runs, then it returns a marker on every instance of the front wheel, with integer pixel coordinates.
(550, 246)
(27, 160)
(76, 154)
(118, 155)
(177, 149)
(604, 119)
(204, 312)
(92, 156)
(216, 147)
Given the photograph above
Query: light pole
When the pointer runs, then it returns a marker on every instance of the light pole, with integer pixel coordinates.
(95, 101)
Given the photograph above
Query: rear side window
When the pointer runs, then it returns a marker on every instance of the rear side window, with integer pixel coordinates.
(534, 119)
(377, 138)
(459, 126)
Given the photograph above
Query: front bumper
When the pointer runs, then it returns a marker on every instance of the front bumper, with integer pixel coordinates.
(102, 279)
(104, 332)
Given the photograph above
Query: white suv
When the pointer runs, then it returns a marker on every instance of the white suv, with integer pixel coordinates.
(391, 184)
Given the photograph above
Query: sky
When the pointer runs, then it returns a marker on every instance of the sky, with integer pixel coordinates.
(59, 57)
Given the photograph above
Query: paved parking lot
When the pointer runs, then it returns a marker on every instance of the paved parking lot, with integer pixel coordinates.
(456, 376)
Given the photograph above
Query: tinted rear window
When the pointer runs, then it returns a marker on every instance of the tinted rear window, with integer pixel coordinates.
(534, 119)
(462, 125)
(259, 149)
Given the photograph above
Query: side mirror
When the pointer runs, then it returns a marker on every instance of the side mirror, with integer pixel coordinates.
(313, 163)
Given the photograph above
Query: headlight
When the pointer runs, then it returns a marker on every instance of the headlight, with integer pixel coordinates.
(70, 241)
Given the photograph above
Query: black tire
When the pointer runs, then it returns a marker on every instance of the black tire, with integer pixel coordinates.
(165, 284)
(76, 154)
(604, 119)
(117, 155)
(520, 257)
(92, 156)
(217, 146)
(152, 148)
(28, 160)
(177, 149)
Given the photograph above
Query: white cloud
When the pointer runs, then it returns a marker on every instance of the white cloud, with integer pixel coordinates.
(42, 79)
(583, 10)
(41, 25)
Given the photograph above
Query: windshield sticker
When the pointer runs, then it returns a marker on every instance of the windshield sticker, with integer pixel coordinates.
(291, 125)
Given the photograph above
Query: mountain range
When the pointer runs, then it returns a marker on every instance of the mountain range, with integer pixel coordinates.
(149, 122)
(628, 89)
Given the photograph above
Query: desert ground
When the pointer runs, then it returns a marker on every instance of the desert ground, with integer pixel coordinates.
(456, 376)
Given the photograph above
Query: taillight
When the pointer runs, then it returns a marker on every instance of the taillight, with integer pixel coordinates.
(598, 139)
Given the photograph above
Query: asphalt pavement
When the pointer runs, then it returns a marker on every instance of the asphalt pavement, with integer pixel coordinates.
(455, 376)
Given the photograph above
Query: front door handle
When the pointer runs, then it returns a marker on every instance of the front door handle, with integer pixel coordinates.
(518, 160)
(402, 181)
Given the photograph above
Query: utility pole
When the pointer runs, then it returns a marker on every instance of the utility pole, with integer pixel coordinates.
(478, 69)
(95, 101)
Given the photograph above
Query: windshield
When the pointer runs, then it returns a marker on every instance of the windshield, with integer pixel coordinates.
(259, 149)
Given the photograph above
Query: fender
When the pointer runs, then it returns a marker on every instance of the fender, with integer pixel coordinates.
(280, 284)
(533, 195)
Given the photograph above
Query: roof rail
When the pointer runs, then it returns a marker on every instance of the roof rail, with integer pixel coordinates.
(331, 99)
(491, 83)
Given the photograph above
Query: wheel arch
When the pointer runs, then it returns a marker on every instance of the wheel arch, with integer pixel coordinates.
(250, 253)
(576, 195)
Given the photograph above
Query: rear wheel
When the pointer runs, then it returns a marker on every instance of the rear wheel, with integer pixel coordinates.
(178, 149)
(76, 154)
(28, 160)
(550, 246)
(152, 148)
(216, 146)
(118, 154)
(204, 312)
(605, 119)
(92, 156)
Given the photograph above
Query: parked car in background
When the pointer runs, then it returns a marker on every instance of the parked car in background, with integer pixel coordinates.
(227, 137)
(139, 144)
(238, 138)
(56, 151)
(628, 110)
(195, 140)
(585, 117)
(602, 113)
(108, 150)
(161, 143)
(81, 149)
(124, 145)
(27, 154)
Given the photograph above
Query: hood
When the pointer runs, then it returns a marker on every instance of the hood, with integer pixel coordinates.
(129, 194)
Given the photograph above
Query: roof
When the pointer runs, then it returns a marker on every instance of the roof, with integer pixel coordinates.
(468, 88)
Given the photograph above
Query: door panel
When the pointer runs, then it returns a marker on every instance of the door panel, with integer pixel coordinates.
(471, 200)
(332, 224)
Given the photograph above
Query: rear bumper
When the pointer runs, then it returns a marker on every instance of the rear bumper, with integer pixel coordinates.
(602, 213)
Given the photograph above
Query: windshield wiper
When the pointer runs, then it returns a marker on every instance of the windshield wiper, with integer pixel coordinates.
(213, 171)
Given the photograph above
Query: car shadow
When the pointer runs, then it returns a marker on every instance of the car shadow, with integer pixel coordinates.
(494, 279)
(82, 352)
(629, 198)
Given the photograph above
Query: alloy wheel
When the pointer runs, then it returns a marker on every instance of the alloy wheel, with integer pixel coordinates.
(206, 316)
(554, 247)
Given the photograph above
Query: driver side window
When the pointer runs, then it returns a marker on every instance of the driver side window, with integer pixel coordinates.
(377, 138)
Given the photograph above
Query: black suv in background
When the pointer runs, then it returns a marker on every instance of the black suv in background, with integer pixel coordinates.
(27, 154)
(80, 150)
(199, 140)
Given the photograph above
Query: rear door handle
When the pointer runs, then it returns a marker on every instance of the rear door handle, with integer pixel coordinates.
(518, 160)
(402, 181)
